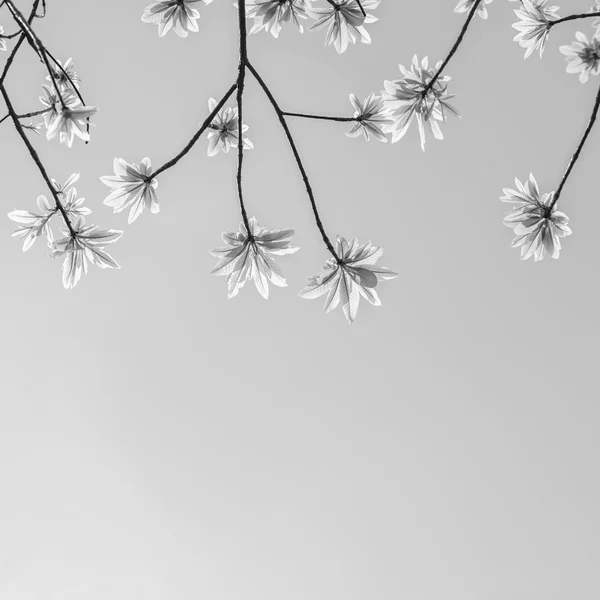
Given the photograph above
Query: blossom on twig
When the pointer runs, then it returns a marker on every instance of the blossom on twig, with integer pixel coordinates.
(180, 15)
(583, 56)
(223, 131)
(371, 115)
(535, 21)
(132, 186)
(62, 80)
(270, 14)
(251, 257)
(345, 282)
(467, 5)
(70, 122)
(33, 225)
(52, 103)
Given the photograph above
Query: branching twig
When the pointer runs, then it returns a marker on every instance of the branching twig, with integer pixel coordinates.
(572, 18)
(322, 117)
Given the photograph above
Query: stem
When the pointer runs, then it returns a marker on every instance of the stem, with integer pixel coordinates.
(198, 133)
(239, 98)
(36, 113)
(290, 139)
(454, 48)
(577, 153)
(321, 117)
(572, 18)
(36, 158)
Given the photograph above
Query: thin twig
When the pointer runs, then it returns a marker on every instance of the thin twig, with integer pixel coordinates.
(35, 113)
(321, 117)
(572, 18)
(303, 173)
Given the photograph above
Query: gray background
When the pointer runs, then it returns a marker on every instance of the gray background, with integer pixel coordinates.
(158, 441)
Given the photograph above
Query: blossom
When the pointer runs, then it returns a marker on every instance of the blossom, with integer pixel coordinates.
(583, 56)
(62, 190)
(65, 78)
(356, 275)
(407, 98)
(34, 225)
(270, 14)
(371, 115)
(51, 102)
(85, 243)
(133, 186)
(250, 256)
(344, 21)
(74, 206)
(534, 24)
(467, 5)
(2, 40)
(535, 220)
(223, 133)
(177, 14)
(70, 122)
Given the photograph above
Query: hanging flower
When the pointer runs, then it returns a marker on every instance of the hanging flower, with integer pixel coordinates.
(223, 131)
(180, 15)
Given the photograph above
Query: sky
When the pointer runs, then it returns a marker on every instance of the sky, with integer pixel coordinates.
(160, 441)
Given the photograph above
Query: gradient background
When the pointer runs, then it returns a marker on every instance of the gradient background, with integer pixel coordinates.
(159, 441)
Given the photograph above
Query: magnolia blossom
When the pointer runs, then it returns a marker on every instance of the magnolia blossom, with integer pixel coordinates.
(62, 190)
(270, 14)
(371, 115)
(223, 131)
(2, 40)
(52, 103)
(66, 77)
(33, 225)
(583, 56)
(181, 15)
(86, 243)
(71, 122)
(356, 275)
(345, 22)
(407, 98)
(74, 206)
(250, 256)
(467, 5)
(132, 186)
(537, 226)
(535, 21)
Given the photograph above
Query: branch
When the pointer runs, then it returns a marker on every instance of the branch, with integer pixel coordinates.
(35, 113)
(321, 117)
(290, 139)
(572, 18)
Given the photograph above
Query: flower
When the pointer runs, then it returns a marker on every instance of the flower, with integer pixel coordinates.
(70, 122)
(406, 98)
(250, 257)
(354, 276)
(345, 21)
(34, 225)
(74, 206)
(534, 24)
(536, 222)
(66, 78)
(85, 243)
(51, 102)
(133, 186)
(223, 133)
(270, 14)
(467, 5)
(371, 115)
(2, 40)
(178, 14)
(62, 190)
(583, 56)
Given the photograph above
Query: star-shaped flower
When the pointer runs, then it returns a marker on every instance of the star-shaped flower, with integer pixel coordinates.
(371, 115)
(133, 186)
(467, 5)
(344, 21)
(33, 225)
(70, 122)
(356, 275)
(87, 243)
(537, 226)
(534, 24)
(406, 99)
(583, 56)
(181, 15)
(270, 14)
(51, 102)
(65, 81)
(223, 131)
(62, 190)
(251, 257)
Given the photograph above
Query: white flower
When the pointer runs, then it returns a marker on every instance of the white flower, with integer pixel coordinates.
(270, 14)
(537, 226)
(74, 206)
(177, 14)
(133, 186)
(583, 56)
(62, 190)
(467, 5)
(406, 99)
(34, 225)
(223, 131)
(356, 275)
(87, 243)
(70, 122)
(534, 24)
(2, 40)
(251, 257)
(61, 79)
(51, 102)
(372, 116)
(345, 22)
